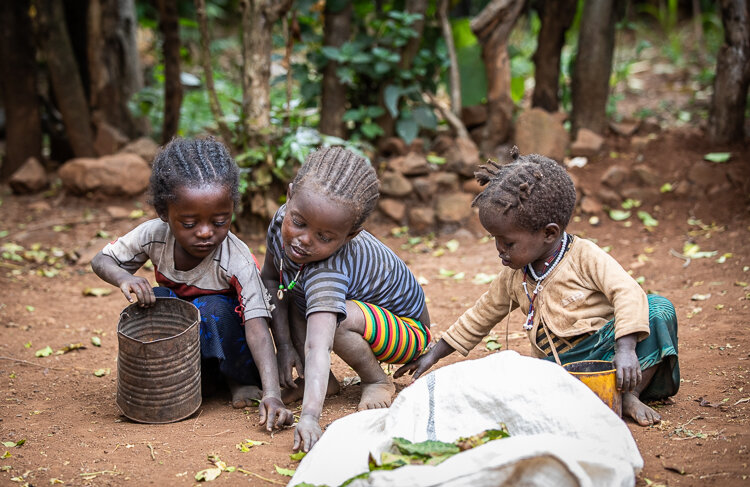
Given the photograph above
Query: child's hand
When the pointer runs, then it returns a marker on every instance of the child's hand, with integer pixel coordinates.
(140, 287)
(306, 434)
(626, 362)
(422, 364)
(273, 413)
(287, 359)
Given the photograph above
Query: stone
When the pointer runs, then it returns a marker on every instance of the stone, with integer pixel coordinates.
(417, 145)
(639, 143)
(462, 157)
(144, 147)
(393, 209)
(646, 195)
(587, 144)
(446, 181)
(472, 186)
(394, 184)
(115, 175)
(29, 178)
(421, 220)
(453, 207)
(682, 188)
(392, 146)
(474, 115)
(645, 175)
(706, 175)
(412, 164)
(442, 144)
(590, 205)
(540, 132)
(425, 187)
(626, 129)
(118, 212)
(615, 176)
(609, 198)
(108, 139)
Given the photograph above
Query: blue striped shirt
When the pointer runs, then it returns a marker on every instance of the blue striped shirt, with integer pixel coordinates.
(364, 269)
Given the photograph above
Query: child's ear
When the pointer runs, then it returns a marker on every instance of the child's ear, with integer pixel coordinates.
(289, 192)
(163, 217)
(551, 232)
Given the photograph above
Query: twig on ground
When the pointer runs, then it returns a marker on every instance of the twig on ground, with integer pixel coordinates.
(2, 357)
(152, 451)
(248, 472)
(680, 256)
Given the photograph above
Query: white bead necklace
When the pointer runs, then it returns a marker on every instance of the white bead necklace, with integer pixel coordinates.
(529, 323)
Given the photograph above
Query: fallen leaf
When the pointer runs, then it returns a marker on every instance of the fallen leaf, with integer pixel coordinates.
(55, 481)
(666, 188)
(97, 291)
(482, 278)
(134, 215)
(96, 341)
(30, 308)
(694, 311)
(44, 352)
(452, 245)
(101, 372)
(647, 219)
(247, 444)
(284, 471)
(422, 281)
(69, 348)
(619, 215)
(6, 454)
(207, 475)
(446, 273)
(740, 283)
(723, 258)
(459, 276)
(630, 203)
(700, 297)
(717, 157)
(298, 456)
(493, 345)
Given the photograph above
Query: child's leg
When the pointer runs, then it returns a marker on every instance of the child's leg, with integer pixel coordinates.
(298, 332)
(223, 338)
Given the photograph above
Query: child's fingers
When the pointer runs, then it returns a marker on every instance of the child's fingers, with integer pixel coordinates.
(125, 288)
(262, 411)
(619, 378)
(403, 369)
(297, 440)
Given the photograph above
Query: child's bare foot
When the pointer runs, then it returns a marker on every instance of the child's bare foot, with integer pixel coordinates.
(244, 396)
(377, 395)
(289, 395)
(642, 414)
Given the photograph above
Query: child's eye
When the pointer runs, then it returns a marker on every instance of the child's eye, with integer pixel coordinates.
(296, 222)
(188, 225)
(324, 238)
(510, 245)
(221, 223)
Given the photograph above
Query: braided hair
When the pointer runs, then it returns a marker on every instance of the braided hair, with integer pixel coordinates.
(191, 163)
(536, 188)
(343, 176)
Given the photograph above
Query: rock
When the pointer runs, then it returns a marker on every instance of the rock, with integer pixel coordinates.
(590, 205)
(626, 129)
(639, 143)
(682, 188)
(540, 132)
(587, 144)
(421, 220)
(116, 175)
(706, 175)
(394, 184)
(425, 187)
(417, 145)
(412, 164)
(392, 146)
(615, 176)
(647, 196)
(446, 181)
(472, 186)
(442, 144)
(29, 178)
(645, 175)
(609, 198)
(144, 147)
(108, 139)
(474, 115)
(118, 212)
(394, 209)
(462, 157)
(453, 207)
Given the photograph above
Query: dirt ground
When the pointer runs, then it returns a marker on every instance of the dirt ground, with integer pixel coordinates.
(75, 434)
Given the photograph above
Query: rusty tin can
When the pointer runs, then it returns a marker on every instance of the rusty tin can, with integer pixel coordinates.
(159, 361)
(599, 376)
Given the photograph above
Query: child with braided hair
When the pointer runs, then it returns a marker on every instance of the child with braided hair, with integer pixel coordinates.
(580, 304)
(338, 287)
(194, 189)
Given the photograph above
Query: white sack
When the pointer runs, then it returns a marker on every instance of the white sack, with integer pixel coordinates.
(561, 432)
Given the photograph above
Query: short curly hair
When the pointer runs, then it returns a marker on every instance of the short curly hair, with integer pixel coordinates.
(343, 176)
(191, 163)
(537, 189)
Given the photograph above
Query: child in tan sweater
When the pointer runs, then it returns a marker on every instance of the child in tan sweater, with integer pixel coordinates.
(580, 304)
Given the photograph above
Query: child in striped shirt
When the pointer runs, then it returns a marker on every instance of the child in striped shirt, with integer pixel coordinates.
(338, 287)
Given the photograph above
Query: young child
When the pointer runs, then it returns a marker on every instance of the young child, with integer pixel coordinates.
(194, 189)
(580, 304)
(339, 288)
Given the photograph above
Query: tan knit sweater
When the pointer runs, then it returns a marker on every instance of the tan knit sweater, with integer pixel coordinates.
(586, 290)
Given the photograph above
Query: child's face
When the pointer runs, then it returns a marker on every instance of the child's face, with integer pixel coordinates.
(315, 227)
(516, 246)
(199, 219)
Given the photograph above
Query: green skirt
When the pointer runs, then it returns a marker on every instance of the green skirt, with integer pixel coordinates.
(659, 349)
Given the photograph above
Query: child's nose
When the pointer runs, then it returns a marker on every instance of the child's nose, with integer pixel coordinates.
(204, 231)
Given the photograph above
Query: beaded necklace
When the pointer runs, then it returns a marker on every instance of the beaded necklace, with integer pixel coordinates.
(550, 264)
(292, 283)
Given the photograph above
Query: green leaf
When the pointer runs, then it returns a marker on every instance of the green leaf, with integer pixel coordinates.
(452, 245)
(426, 448)
(619, 215)
(96, 341)
(6, 454)
(629, 204)
(647, 219)
(493, 345)
(435, 159)
(30, 308)
(391, 94)
(371, 130)
(407, 129)
(482, 278)
(718, 157)
(298, 456)
(44, 352)
(208, 474)
(101, 372)
(666, 188)
(247, 444)
(425, 117)
(446, 273)
(284, 471)
(9, 444)
(517, 88)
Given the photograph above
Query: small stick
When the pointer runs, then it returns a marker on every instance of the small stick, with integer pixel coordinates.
(248, 472)
(680, 256)
(89, 474)
(215, 434)
(152, 451)
(2, 357)
(196, 420)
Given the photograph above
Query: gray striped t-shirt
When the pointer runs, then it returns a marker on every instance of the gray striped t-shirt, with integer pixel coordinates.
(364, 269)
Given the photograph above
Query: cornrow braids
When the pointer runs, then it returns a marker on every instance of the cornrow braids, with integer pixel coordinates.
(537, 189)
(343, 176)
(191, 163)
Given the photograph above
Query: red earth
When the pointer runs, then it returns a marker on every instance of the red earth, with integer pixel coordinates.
(75, 434)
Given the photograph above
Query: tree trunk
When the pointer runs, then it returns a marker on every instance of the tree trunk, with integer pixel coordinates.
(557, 16)
(336, 31)
(23, 132)
(727, 118)
(66, 81)
(593, 66)
(258, 17)
(412, 47)
(492, 27)
(113, 63)
(455, 75)
(170, 30)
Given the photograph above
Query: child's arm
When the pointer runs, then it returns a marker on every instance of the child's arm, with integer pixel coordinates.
(286, 356)
(626, 363)
(422, 364)
(107, 269)
(321, 328)
(271, 409)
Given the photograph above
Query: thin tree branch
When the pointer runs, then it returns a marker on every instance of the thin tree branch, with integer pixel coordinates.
(452, 119)
(455, 76)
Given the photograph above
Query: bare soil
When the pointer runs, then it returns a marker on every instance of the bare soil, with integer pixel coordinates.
(74, 432)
